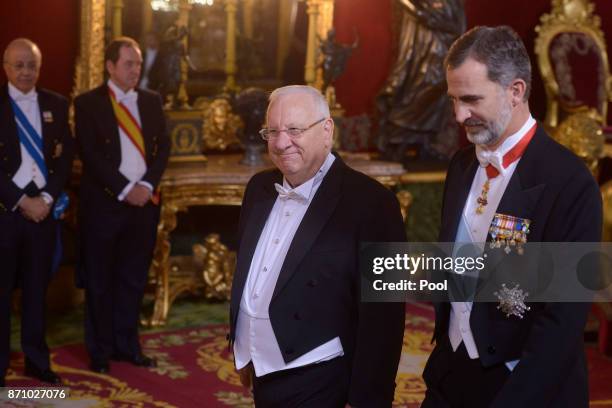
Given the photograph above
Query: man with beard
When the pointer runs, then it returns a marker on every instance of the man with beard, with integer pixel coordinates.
(482, 357)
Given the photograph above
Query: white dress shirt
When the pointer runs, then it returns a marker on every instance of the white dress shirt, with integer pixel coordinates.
(28, 169)
(255, 339)
(133, 165)
(478, 226)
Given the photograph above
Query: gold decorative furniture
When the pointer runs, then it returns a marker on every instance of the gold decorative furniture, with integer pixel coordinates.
(581, 133)
(602, 311)
(573, 60)
(221, 182)
(210, 126)
(185, 130)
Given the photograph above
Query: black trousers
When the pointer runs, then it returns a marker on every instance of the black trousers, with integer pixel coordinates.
(456, 381)
(117, 246)
(26, 254)
(322, 385)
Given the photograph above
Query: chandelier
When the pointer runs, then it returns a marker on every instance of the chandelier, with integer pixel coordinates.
(172, 5)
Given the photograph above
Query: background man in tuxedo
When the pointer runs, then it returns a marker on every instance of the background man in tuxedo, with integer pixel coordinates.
(482, 357)
(296, 317)
(121, 134)
(152, 64)
(36, 151)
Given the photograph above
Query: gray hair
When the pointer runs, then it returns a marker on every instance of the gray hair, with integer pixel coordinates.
(500, 49)
(317, 97)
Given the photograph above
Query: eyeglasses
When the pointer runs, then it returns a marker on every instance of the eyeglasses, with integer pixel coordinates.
(292, 132)
(21, 66)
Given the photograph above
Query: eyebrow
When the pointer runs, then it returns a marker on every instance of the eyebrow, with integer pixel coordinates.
(467, 98)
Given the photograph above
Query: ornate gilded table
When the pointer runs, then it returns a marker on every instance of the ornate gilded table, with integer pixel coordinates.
(221, 181)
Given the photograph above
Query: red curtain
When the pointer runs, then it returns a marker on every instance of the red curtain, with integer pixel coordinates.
(54, 26)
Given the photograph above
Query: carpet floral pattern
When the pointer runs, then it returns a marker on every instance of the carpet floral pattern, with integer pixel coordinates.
(195, 369)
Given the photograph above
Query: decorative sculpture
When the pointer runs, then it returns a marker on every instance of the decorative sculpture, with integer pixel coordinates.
(217, 264)
(335, 57)
(221, 126)
(175, 50)
(251, 105)
(412, 106)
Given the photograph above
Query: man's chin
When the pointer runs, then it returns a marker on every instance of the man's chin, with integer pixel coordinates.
(481, 138)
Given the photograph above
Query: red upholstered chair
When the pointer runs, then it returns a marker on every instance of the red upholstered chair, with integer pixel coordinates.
(573, 61)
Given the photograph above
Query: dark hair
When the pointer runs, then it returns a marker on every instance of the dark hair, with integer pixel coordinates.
(500, 49)
(113, 49)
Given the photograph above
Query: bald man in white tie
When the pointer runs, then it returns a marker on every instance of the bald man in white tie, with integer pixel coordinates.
(36, 151)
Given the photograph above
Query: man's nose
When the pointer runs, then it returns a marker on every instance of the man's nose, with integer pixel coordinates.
(462, 113)
(281, 141)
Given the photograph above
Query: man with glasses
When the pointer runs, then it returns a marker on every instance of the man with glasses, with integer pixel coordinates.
(300, 334)
(36, 151)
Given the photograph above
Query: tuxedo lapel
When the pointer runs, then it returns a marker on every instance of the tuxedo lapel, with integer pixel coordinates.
(456, 195)
(107, 116)
(319, 211)
(522, 193)
(519, 200)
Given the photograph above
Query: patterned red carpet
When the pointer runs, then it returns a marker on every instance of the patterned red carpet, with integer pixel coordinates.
(195, 370)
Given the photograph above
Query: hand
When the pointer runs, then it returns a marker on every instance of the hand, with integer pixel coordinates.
(34, 208)
(246, 376)
(138, 196)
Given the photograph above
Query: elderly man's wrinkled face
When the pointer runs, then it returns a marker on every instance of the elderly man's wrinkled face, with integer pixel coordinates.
(481, 106)
(22, 66)
(298, 157)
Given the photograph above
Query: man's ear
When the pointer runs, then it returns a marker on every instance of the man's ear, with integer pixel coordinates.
(518, 89)
(109, 64)
(328, 127)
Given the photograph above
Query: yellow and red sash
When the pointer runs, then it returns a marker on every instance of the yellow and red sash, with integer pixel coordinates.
(131, 128)
(128, 124)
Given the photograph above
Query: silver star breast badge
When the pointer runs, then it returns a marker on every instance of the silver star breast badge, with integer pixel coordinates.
(512, 301)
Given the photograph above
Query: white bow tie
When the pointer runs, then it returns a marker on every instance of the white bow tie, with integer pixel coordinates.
(131, 96)
(289, 194)
(487, 157)
(30, 97)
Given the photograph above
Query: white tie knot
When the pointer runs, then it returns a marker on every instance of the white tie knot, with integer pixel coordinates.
(289, 194)
(486, 157)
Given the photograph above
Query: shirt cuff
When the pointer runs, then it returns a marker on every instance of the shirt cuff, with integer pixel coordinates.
(17, 203)
(146, 184)
(47, 198)
(126, 191)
